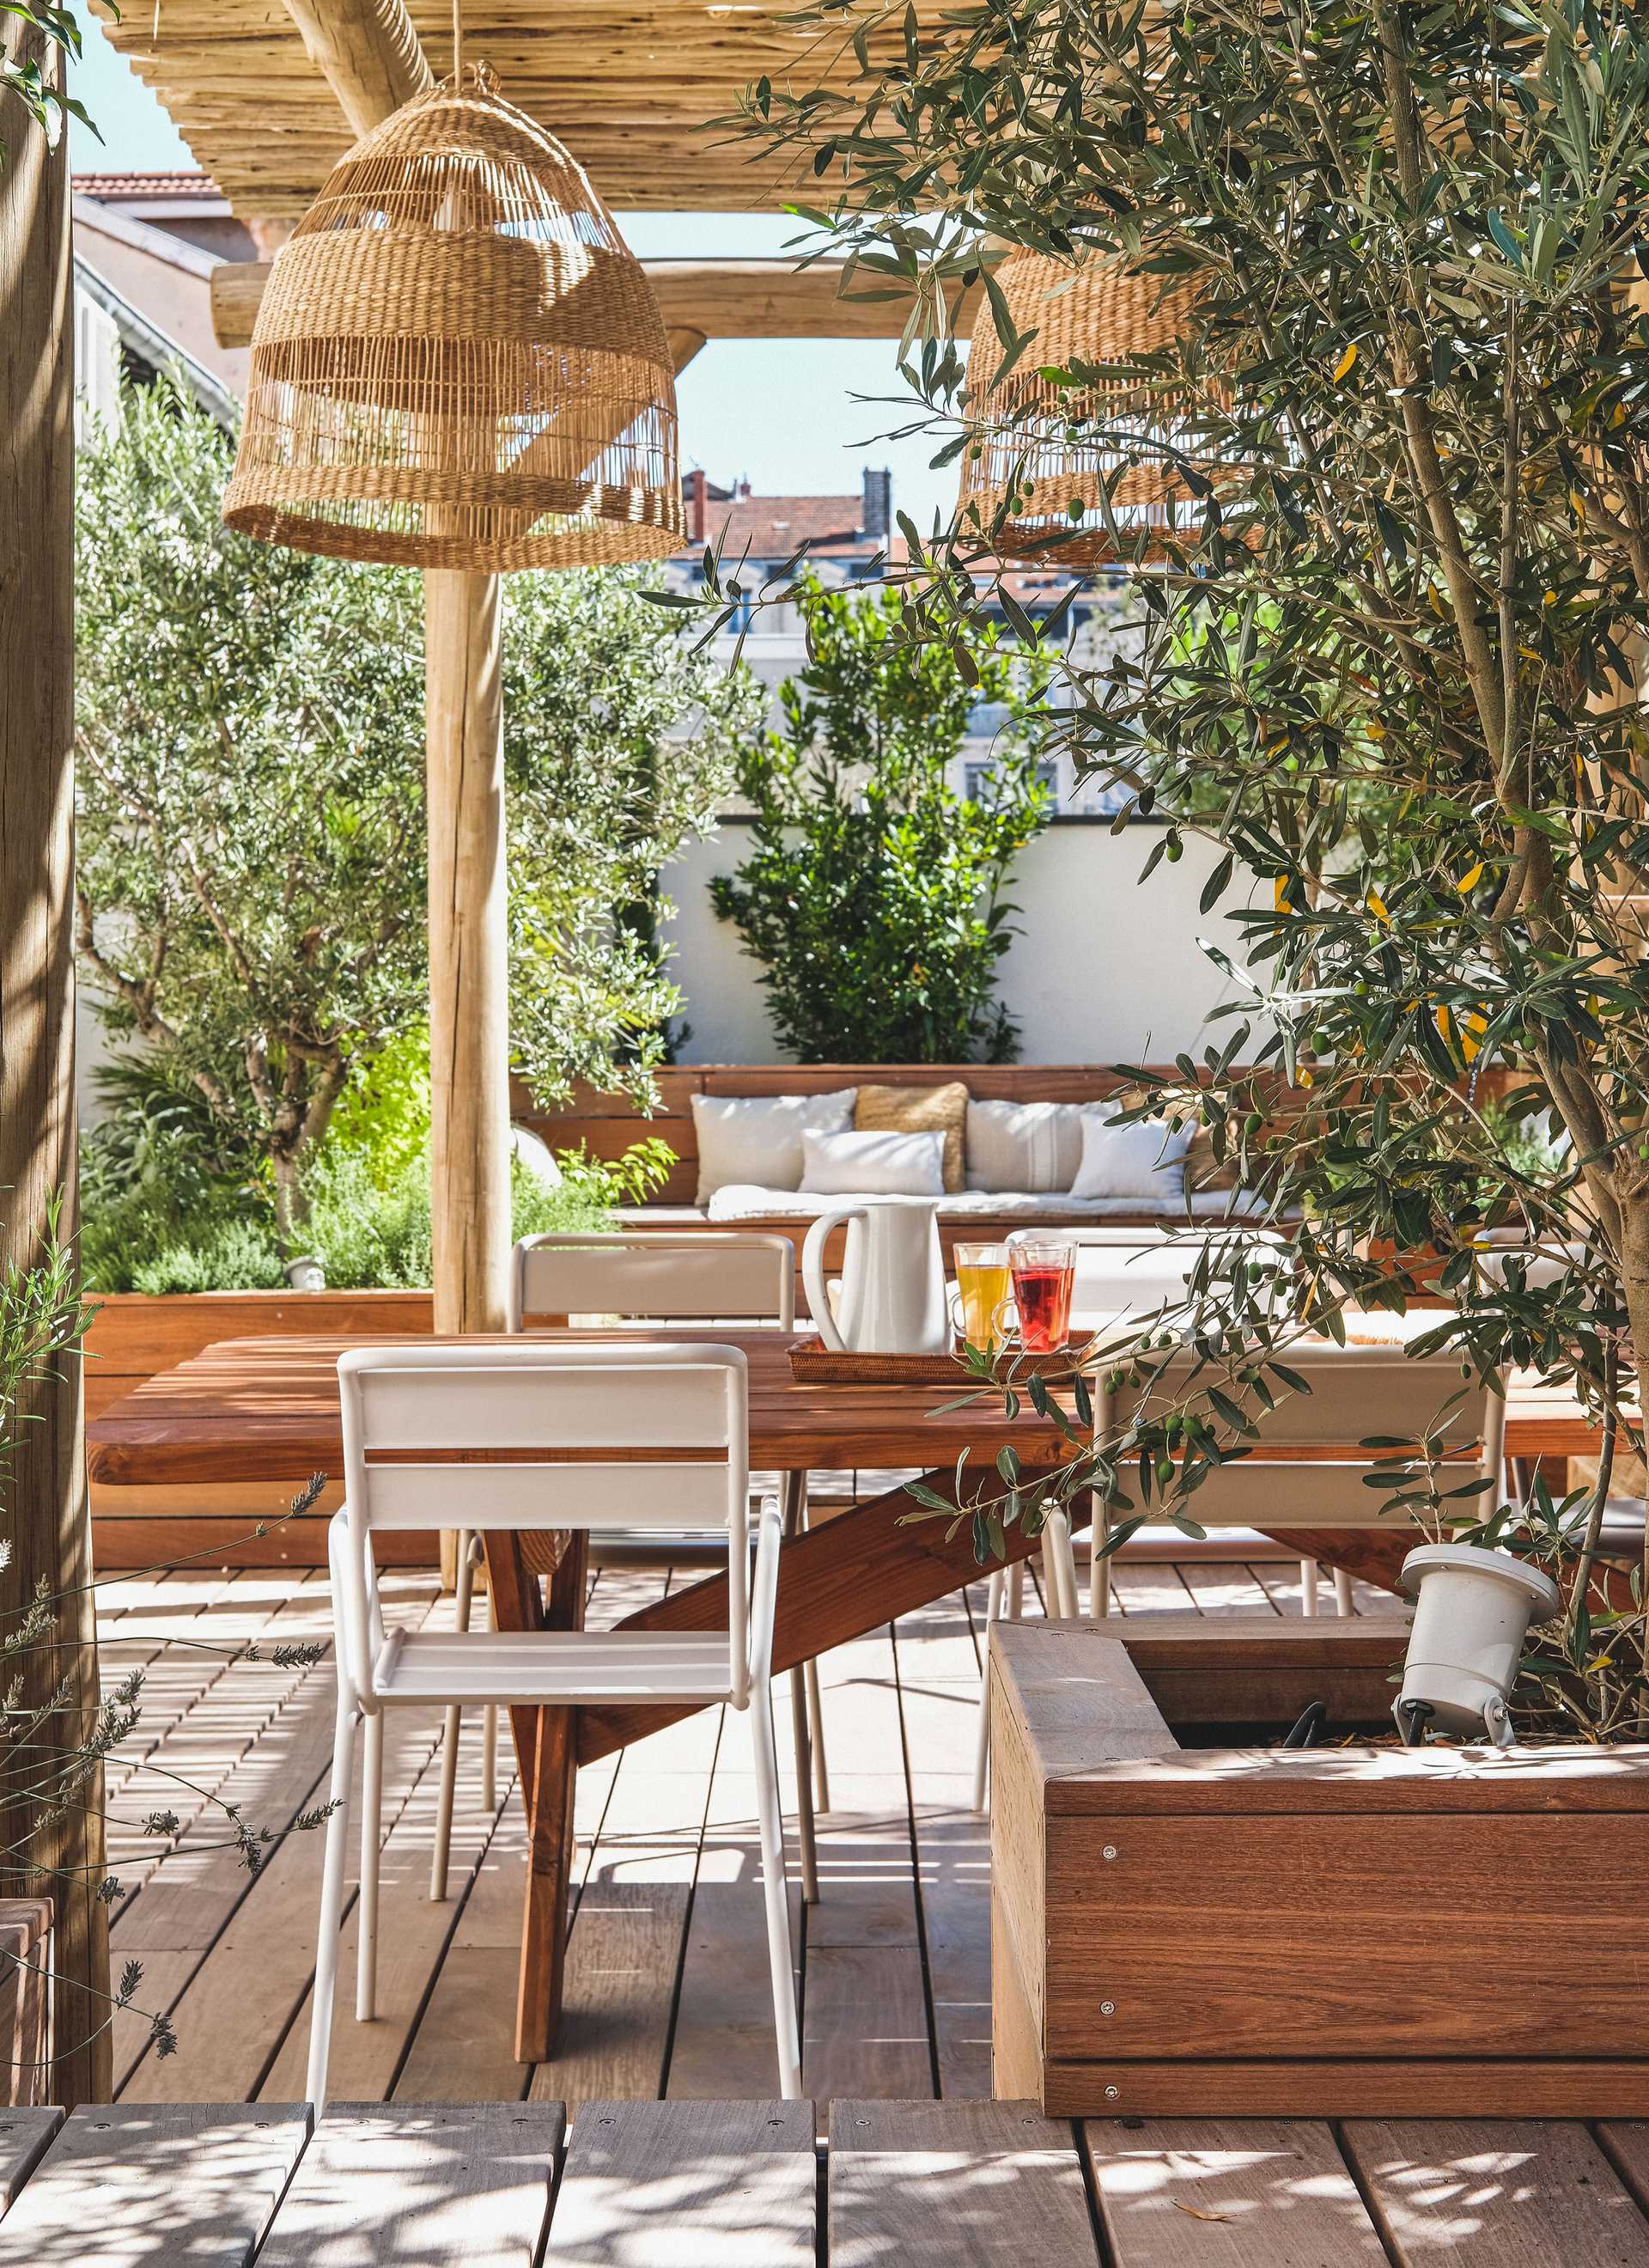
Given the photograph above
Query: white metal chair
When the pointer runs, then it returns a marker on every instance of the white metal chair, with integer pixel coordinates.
(1356, 1392)
(1120, 1273)
(644, 1277)
(1128, 1274)
(410, 1413)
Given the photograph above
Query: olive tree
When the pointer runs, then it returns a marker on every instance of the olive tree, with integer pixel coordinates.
(1392, 647)
(252, 878)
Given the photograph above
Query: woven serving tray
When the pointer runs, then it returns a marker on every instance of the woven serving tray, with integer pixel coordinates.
(816, 1365)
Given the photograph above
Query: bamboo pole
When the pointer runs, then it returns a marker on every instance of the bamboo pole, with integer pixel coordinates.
(43, 1506)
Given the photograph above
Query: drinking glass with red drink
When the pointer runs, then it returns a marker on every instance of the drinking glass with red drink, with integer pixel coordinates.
(1043, 1276)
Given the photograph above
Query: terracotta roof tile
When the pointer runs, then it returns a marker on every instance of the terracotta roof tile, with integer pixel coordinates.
(188, 183)
(771, 527)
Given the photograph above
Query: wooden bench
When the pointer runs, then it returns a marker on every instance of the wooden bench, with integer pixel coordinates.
(694, 2185)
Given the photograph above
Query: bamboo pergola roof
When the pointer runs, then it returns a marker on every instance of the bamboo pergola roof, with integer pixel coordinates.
(629, 85)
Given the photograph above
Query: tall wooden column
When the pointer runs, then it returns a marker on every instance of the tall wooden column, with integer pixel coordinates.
(470, 1022)
(43, 1509)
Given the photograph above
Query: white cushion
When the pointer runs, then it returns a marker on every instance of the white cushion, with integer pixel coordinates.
(536, 1155)
(1027, 1146)
(741, 1203)
(873, 1163)
(1142, 1161)
(757, 1137)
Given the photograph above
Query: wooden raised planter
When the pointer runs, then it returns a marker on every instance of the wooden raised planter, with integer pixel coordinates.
(25, 1937)
(1334, 1933)
(133, 1336)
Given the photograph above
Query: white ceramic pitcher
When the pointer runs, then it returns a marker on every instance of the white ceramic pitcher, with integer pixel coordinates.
(893, 1280)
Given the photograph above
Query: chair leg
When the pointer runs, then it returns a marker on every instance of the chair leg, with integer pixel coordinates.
(490, 1735)
(794, 1498)
(805, 1825)
(815, 1706)
(815, 1736)
(1343, 1592)
(441, 1854)
(1060, 1562)
(982, 1751)
(1099, 1562)
(1308, 1587)
(776, 1893)
(371, 1841)
(331, 1927)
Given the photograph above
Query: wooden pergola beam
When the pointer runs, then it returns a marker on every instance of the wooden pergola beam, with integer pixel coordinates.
(713, 298)
(368, 53)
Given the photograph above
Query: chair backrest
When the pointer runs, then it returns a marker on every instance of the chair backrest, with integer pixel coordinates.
(543, 1435)
(648, 1276)
(1123, 1271)
(1306, 1468)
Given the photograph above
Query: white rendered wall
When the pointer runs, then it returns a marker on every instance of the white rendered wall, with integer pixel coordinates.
(1107, 969)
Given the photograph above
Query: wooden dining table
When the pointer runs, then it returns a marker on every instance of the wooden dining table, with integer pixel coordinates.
(268, 1410)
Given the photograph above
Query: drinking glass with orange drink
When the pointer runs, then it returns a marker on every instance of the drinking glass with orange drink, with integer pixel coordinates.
(983, 1288)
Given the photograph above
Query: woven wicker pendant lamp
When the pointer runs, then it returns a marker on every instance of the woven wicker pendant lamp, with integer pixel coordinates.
(458, 362)
(1036, 460)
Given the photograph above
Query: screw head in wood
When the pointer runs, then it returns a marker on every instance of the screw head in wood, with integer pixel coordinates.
(1111, 2093)
(1109, 1851)
(1108, 2007)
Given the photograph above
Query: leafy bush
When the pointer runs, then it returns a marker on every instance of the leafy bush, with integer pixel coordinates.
(874, 891)
(162, 1211)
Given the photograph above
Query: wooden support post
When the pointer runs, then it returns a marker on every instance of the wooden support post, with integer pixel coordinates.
(43, 1506)
(469, 1021)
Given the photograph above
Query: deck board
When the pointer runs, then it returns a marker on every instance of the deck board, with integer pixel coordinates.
(130, 2187)
(955, 2185)
(1496, 2193)
(1227, 2193)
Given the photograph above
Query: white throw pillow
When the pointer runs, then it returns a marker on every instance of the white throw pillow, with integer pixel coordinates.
(1145, 1161)
(757, 1137)
(874, 1165)
(1031, 1147)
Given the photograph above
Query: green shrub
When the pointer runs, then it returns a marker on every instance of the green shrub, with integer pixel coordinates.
(874, 891)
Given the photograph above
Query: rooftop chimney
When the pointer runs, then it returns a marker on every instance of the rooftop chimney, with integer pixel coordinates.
(696, 499)
(878, 511)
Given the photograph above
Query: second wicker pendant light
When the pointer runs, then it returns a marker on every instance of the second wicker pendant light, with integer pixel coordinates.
(1043, 452)
(458, 362)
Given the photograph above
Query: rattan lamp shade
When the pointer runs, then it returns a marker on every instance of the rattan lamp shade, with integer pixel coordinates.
(458, 362)
(1035, 456)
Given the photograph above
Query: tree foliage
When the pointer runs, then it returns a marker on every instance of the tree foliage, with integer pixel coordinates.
(1401, 622)
(874, 891)
(252, 881)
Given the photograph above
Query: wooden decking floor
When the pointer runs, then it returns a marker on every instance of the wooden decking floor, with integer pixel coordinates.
(923, 2184)
(666, 1980)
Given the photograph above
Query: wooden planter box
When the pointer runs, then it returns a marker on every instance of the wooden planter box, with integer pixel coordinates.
(133, 1336)
(26, 1936)
(1333, 1932)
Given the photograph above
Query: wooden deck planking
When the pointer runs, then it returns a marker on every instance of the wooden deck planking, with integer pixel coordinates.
(1227, 2193)
(1496, 2194)
(688, 2185)
(937, 1655)
(125, 2187)
(667, 1972)
(955, 2185)
(442, 2187)
(737, 2184)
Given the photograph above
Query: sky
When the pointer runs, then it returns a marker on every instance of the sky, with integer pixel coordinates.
(780, 413)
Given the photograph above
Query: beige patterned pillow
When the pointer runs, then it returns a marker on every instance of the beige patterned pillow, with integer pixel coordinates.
(918, 1110)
